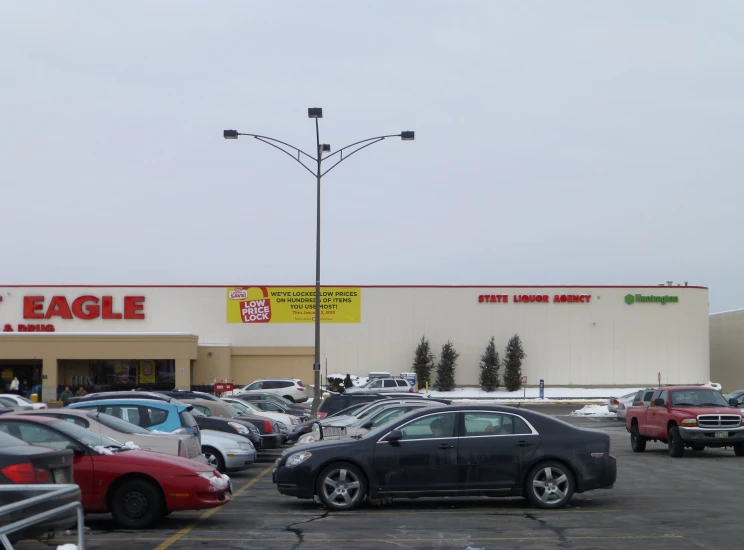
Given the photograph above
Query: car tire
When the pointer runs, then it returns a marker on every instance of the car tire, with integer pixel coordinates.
(675, 443)
(214, 459)
(289, 398)
(549, 485)
(739, 449)
(137, 504)
(637, 441)
(341, 487)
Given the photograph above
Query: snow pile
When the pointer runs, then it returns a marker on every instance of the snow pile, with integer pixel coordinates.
(103, 450)
(713, 385)
(550, 393)
(131, 446)
(67, 547)
(356, 380)
(594, 410)
(219, 483)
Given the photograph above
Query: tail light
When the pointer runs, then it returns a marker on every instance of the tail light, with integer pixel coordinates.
(25, 474)
(322, 414)
(269, 428)
(615, 402)
(410, 390)
(182, 450)
(301, 389)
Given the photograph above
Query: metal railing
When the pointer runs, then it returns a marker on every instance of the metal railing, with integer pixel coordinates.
(49, 492)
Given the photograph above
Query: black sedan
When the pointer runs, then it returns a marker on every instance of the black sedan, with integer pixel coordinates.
(453, 451)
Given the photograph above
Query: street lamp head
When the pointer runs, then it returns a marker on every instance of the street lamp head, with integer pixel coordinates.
(230, 134)
(407, 135)
(325, 148)
(315, 112)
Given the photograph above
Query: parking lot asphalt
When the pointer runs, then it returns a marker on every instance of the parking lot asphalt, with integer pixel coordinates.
(658, 502)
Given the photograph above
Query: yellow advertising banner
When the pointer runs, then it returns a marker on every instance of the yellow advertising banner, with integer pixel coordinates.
(261, 304)
(147, 372)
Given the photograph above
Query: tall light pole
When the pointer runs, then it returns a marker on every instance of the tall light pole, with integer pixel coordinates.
(318, 172)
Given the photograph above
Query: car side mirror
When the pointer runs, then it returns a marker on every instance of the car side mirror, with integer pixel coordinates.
(76, 449)
(394, 436)
(659, 402)
(734, 402)
(367, 425)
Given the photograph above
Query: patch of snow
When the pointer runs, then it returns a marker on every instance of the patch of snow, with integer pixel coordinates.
(131, 446)
(219, 483)
(550, 393)
(159, 432)
(67, 547)
(594, 410)
(713, 385)
(356, 380)
(103, 450)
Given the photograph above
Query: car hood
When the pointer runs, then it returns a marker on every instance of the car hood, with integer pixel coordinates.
(695, 411)
(137, 459)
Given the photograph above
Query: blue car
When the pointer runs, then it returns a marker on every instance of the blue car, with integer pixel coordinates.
(153, 415)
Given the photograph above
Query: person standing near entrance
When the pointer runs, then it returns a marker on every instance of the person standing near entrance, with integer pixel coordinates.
(23, 388)
(81, 392)
(65, 396)
(14, 385)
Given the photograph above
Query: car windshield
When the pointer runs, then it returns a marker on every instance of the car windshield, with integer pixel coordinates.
(698, 398)
(382, 429)
(87, 437)
(117, 424)
(239, 407)
(196, 412)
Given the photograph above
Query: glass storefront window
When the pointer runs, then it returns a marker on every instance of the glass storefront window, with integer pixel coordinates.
(118, 374)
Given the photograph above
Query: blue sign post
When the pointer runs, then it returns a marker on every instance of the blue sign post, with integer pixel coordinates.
(542, 389)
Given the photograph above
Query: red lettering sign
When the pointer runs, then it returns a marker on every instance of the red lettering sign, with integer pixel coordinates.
(84, 308)
(535, 298)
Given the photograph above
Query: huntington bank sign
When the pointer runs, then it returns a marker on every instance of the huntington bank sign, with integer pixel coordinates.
(640, 298)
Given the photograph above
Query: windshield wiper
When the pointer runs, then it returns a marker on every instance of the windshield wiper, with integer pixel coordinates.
(713, 405)
(685, 405)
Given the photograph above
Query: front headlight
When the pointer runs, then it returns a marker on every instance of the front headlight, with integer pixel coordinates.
(247, 446)
(281, 425)
(308, 438)
(689, 423)
(238, 427)
(297, 459)
(295, 420)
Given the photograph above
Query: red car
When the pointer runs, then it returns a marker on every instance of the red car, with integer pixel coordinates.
(136, 487)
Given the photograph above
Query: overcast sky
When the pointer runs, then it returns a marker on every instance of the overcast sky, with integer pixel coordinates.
(556, 142)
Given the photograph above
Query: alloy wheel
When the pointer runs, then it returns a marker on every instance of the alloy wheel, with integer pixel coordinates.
(551, 485)
(212, 460)
(341, 488)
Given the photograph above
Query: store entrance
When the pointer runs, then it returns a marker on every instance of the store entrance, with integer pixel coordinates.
(28, 372)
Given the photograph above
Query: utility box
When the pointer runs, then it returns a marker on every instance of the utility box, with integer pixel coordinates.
(411, 377)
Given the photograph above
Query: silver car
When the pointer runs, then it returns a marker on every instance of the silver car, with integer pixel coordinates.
(384, 385)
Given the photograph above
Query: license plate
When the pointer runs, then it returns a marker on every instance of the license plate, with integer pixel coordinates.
(59, 476)
(721, 434)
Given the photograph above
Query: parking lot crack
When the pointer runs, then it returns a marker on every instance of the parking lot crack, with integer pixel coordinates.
(300, 533)
(559, 532)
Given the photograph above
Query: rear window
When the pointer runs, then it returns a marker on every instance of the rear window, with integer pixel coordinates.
(187, 421)
(401, 383)
(300, 384)
(9, 441)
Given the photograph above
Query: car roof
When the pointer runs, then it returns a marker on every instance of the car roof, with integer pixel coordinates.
(36, 418)
(687, 388)
(151, 402)
(55, 412)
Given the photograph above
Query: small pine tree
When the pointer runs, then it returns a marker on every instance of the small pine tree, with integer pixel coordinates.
(423, 362)
(489, 367)
(513, 363)
(446, 368)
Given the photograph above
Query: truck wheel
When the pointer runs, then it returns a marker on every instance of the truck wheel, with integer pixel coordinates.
(739, 449)
(675, 443)
(637, 441)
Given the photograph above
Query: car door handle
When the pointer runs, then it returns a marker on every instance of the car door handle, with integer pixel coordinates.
(446, 446)
(523, 444)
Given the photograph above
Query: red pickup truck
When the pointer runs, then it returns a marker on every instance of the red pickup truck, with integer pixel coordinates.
(693, 417)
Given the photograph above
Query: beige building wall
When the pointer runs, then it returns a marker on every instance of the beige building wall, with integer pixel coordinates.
(249, 364)
(727, 350)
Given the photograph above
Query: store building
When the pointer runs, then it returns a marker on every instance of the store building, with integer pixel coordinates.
(727, 349)
(166, 336)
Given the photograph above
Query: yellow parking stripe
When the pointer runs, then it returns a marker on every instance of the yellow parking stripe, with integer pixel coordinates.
(167, 543)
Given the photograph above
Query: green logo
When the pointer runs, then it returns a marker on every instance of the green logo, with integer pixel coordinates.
(639, 298)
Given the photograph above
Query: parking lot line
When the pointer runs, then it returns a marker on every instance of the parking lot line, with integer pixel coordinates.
(167, 543)
(469, 511)
(309, 540)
